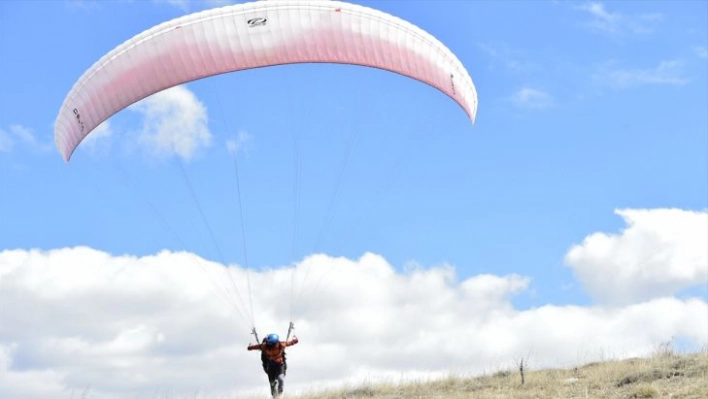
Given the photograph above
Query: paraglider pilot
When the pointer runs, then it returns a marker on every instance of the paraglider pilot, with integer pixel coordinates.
(274, 362)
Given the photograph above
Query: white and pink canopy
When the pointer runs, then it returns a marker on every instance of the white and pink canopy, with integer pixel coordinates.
(251, 35)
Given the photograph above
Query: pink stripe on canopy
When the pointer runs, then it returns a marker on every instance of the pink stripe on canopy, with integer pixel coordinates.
(252, 35)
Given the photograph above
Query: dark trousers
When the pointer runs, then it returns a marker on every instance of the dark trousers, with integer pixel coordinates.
(275, 372)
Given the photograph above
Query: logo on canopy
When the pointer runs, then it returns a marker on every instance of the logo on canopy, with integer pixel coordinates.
(253, 22)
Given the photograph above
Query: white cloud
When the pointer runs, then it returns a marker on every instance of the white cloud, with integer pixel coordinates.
(666, 73)
(6, 142)
(185, 5)
(18, 134)
(501, 54)
(528, 97)
(701, 51)
(615, 23)
(82, 4)
(23, 134)
(239, 143)
(661, 252)
(99, 139)
(181, 4)
(218, 3)
(163, 325)
(175, 123)
(597, 10)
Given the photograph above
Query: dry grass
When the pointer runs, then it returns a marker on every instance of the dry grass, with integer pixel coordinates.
(665, 375)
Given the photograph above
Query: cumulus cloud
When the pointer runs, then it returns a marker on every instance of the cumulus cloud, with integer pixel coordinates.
(186, 5)
(181, 4)
(615, 23)
(99, 139)
(18, 134)
(701, 51)
(660, 253)
(175, 123)
(666, 73)
(175, 324)
(528, 97)
(238, 143)
(6, 141)
(502, 55)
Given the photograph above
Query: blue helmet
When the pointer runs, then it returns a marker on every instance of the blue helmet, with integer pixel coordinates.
(272, 339)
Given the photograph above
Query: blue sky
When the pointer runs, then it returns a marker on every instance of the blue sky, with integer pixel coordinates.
(585, 108)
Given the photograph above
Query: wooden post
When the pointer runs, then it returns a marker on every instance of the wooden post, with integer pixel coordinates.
(521, 370)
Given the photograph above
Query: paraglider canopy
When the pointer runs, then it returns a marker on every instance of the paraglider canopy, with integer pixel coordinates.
(253, 35)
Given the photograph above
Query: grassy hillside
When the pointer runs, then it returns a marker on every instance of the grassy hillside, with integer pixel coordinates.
(665, 375)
